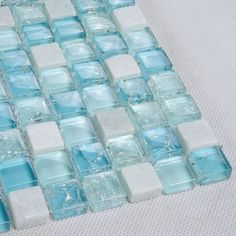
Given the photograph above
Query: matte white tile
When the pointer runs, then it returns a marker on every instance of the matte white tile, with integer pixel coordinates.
(6, 19)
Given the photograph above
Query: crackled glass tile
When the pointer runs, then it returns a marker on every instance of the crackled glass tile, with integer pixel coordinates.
(3, 96)
(16, 174)
(109, 45)
(9, 40)
(89, 73)
(99, 97)
(133, 91)
(147, 115)
(181, 109)
(124, 151)
(113, 4)
(140, 40)
(176, 175)
(103, 191)
(210, 165)
(66, 200)
(11, 144)
(77, 131)
(56, 80)
(7, 120)
(90, 159)
(22, 84)
(67, 29)
(88, 6)
(32, 110)
(53, 167)
(165, 85)
(160, 143)
(4, 219)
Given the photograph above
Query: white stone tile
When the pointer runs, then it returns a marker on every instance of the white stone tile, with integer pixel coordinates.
(140, 182)
(6, 19)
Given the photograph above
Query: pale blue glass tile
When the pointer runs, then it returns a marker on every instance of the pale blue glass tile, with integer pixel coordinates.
(3, 96)
(109, 45)
(16, 174)
(181, 109)
(133, 91)
(32, 110)
(9, 40)
(124, 151)
(114, 4)
(88, 6)
(147, 115)
(176, 175)
(66, 200)
(89, 73)
(90, 159)
(67, 29)
(7, 120)
(67, 104)
(99, 97)
(210, 165)
(4, 219)
(160, 143)
(14, 61)
(140, 40)
(77, 131)
(103, 191)
(22, 84)
(53, 167)
(165, 85)
(55, 80)
(11, 144)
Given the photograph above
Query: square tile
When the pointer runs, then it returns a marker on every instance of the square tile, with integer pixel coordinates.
(196, 135)
(47, 56)
(53, 167)
(87, 6)
(176, 175)
(9, 40)
(210, 165)
(117, 125)
(129, 18)
(6, 19)
(44, 137)
(28, 208)
(4, 219)
(7, 120)
(140, 182)
(103, 191)
(114, 4)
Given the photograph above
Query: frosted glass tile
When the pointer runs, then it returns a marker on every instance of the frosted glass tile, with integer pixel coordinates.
(9, 40)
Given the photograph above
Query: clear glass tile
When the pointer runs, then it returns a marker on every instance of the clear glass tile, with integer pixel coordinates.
(176, 175)
(210, 165)
(7, 120)
(88, 6)
(66, 200)
(4, 219)
(9, 40)
(103, 191)
(114, 4)
(3, 95)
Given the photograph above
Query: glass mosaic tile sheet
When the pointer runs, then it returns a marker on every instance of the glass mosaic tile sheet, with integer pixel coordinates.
(93, 114)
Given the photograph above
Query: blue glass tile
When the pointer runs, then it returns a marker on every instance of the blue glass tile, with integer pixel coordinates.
(9, 40)
(88, 6)
(176, 175)
(65, 200)
(3, 96)
(161, 143)
(210, 165)
(181, 109)
(109, 45)
(99, 97)
(103, 191)
(16, 174)
(113, 4)
(4, 219)
(67, 104)
(7, 120)
(89, 73)
(133, 91)
(90, 159)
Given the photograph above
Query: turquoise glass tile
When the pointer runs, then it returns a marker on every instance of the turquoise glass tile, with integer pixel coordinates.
(160, 143)
(176, 175)
(65, 200)
(3, 95)
(103, 191)
(9, 40)
(53, 167)
(16, 174)
(99, 97)
(181, 109)
(7, 120)
(210, 165)
(114, 4)
(67, 104)
(166, 85)
(109, 45)
(88, 6)
(90, 159)
(89, 73)
(4, 219)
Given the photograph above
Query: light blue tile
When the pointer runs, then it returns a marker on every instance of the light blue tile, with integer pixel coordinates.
(3, 95)
(4, 219)
(114, 4)
(7, 120)
(9, 40)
